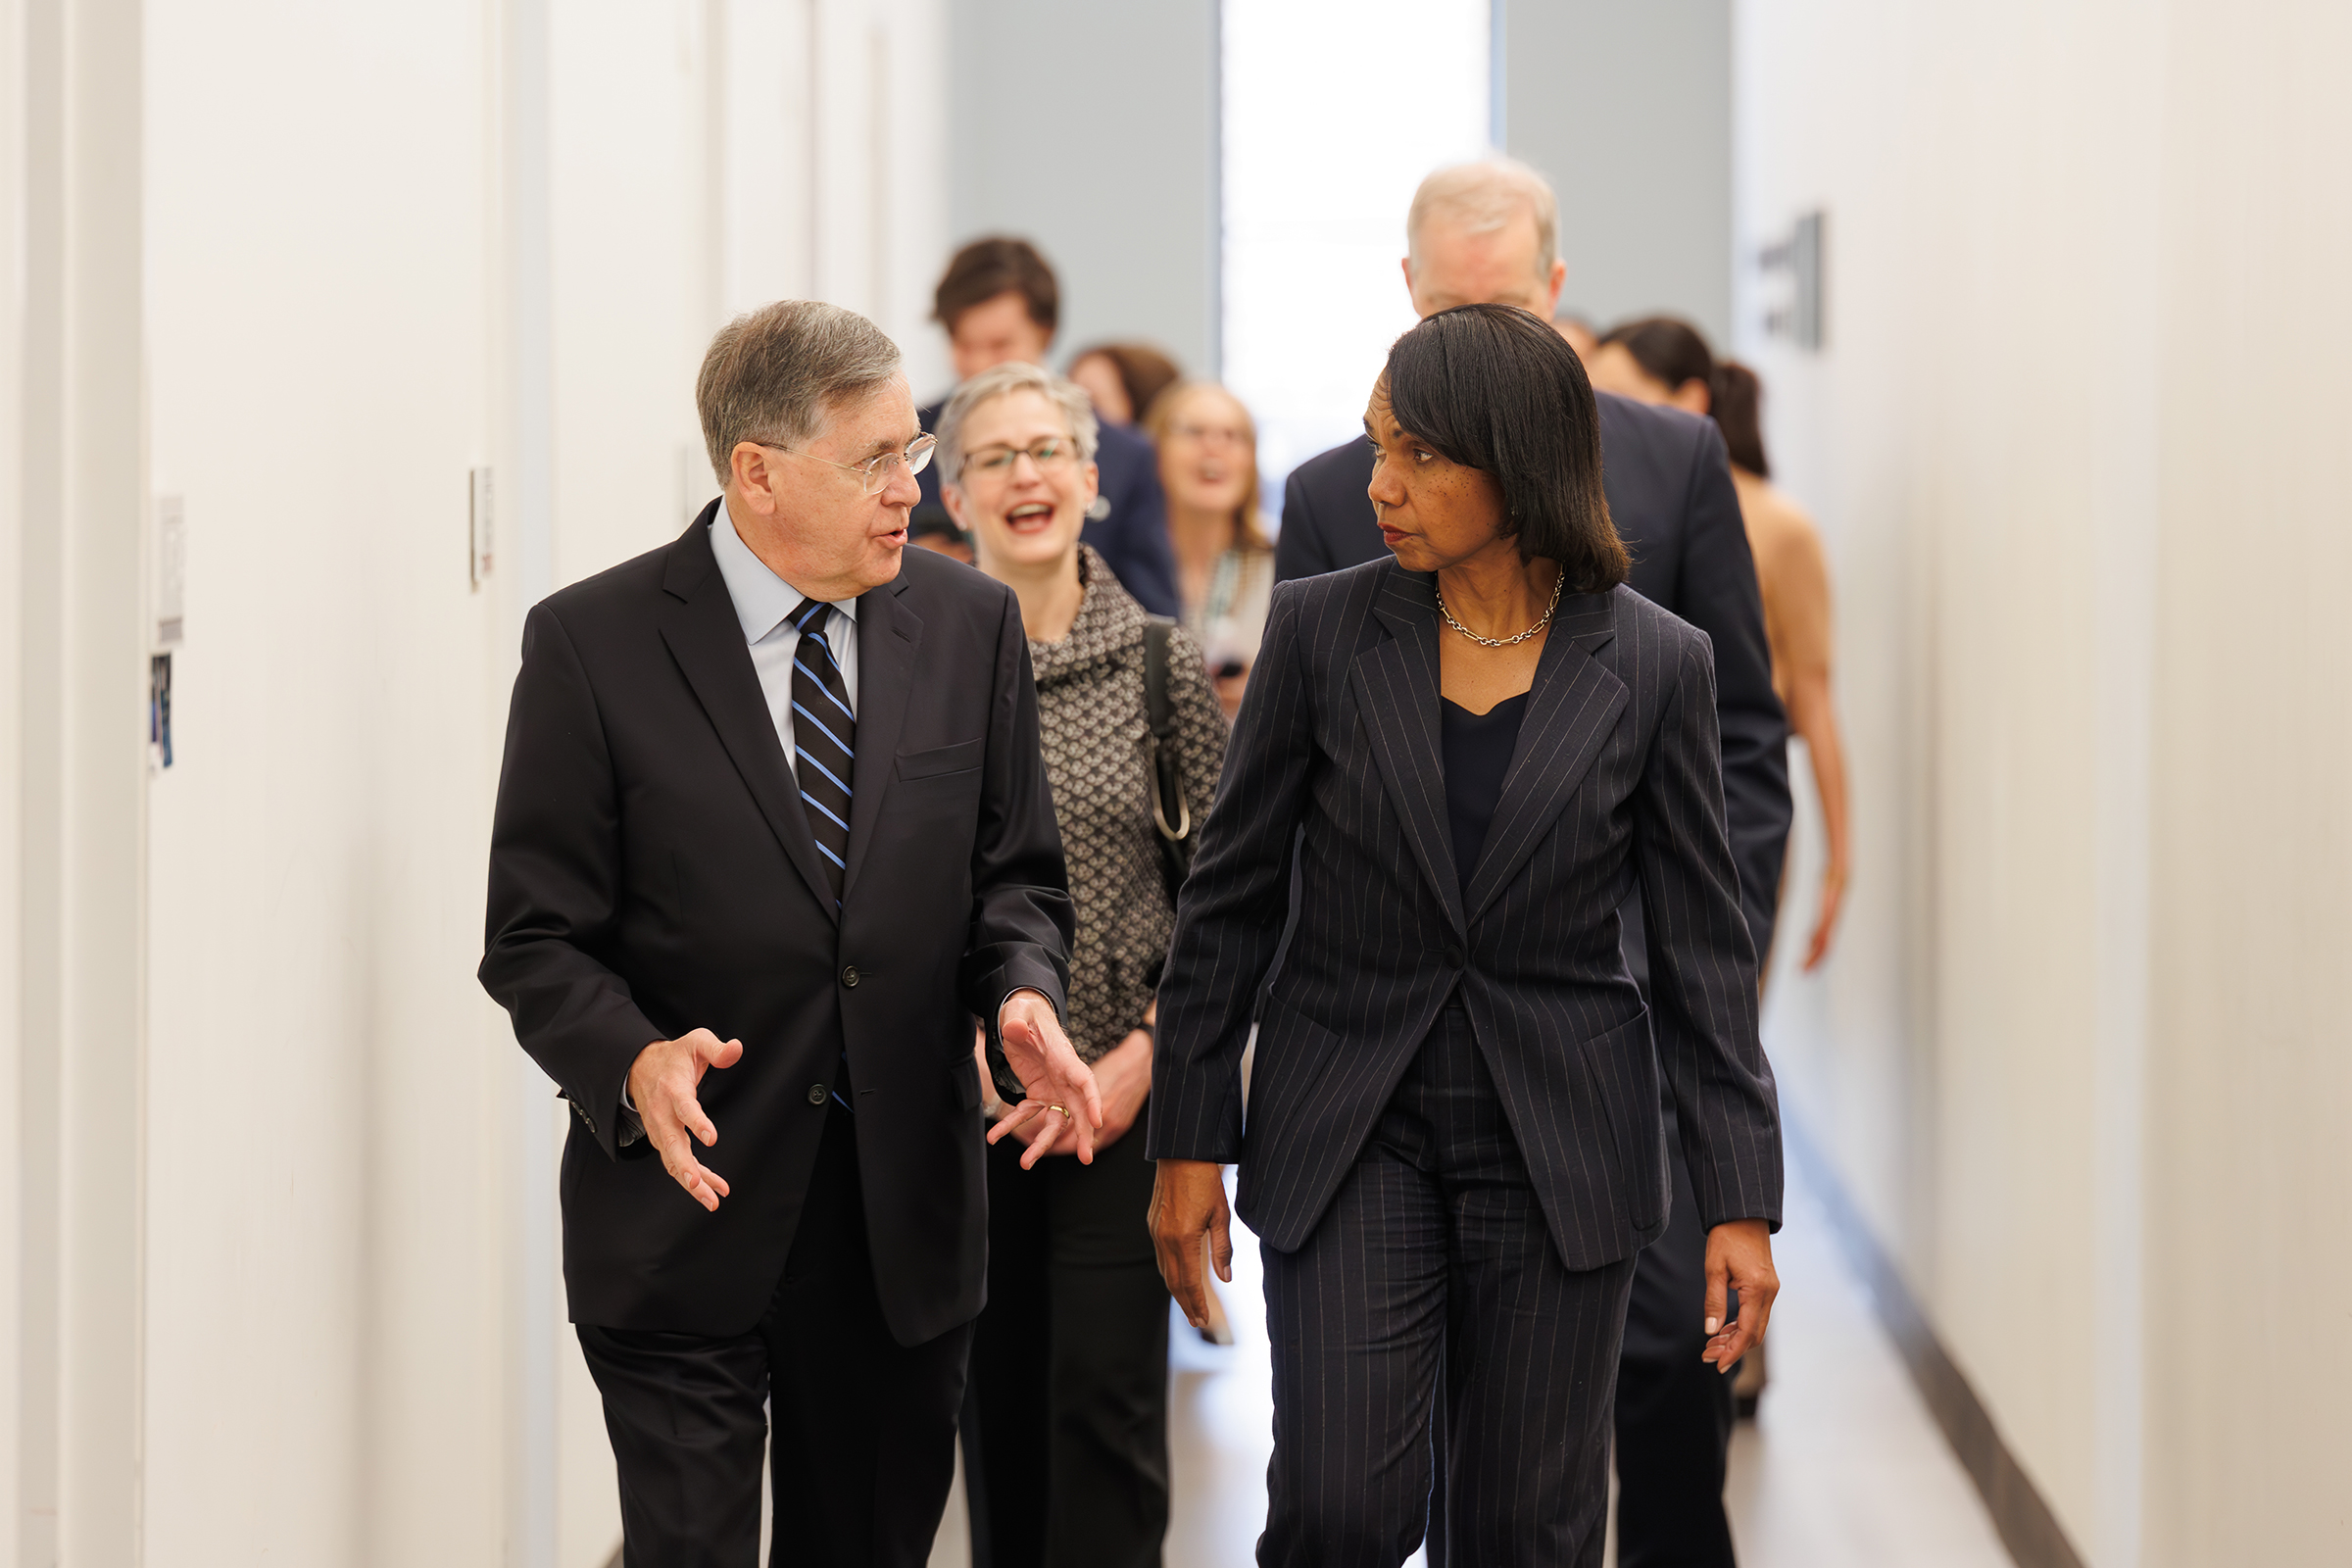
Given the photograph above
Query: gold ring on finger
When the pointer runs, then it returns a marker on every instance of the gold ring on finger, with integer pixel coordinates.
(1065, 1116)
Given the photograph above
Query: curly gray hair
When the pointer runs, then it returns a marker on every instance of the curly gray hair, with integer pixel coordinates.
(1002, 380)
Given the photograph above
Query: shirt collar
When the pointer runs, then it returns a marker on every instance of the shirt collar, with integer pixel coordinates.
(762, 600)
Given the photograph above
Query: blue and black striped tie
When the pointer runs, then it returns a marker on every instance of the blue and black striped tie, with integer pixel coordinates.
(824, 740)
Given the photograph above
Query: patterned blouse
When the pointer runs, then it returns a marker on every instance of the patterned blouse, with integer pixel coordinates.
(1090, 699)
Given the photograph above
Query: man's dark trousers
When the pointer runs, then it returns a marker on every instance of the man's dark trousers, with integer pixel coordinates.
(855, 1414)
(1673, 1410)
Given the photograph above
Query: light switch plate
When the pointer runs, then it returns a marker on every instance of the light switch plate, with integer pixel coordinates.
(171, 571)
(481, 555)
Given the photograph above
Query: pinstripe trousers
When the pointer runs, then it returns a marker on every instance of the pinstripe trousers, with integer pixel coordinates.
(1436, 1245)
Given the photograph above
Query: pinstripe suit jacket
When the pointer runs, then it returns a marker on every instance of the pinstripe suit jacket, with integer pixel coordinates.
(1616, 782)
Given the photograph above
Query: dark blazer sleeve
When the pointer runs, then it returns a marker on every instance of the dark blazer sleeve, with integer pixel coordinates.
(1023, 919)
(1236, 900)
(1703, 979)
(556, 885)
(1718, 596)
(1133, 538)
(1299, 549)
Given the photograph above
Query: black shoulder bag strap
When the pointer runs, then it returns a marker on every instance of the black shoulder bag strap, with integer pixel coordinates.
(1171, 813)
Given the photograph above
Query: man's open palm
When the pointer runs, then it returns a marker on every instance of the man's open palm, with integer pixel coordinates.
(1058, 1084)
(662, 1082)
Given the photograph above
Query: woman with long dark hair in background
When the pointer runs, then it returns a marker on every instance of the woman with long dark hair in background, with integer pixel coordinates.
(1660, 359)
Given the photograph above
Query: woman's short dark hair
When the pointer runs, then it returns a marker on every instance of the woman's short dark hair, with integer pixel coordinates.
(998, 265)
(1495, 388)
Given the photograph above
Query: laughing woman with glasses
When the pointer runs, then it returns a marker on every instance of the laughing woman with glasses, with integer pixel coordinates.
(1074, 1292)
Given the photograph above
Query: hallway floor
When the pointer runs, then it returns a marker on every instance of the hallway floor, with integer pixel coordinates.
(1844, 1467)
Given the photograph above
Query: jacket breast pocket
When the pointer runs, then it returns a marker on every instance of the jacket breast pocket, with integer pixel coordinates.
(940, 762)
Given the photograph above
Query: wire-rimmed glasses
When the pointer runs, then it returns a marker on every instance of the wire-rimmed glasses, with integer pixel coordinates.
(875, 472)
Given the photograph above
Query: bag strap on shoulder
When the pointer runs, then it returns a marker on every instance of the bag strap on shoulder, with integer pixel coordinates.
(1156, 707)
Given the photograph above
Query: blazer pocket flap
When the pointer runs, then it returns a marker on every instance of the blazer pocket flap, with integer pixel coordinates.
(961, 758)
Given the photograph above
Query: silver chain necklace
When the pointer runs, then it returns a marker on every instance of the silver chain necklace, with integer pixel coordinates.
(1542, 621)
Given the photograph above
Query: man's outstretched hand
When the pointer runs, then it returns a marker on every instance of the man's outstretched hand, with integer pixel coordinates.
(1738, 1258)
(1058, 1084)
(661, 1085)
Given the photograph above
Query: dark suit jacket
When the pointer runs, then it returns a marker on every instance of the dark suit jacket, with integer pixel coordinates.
(1670, 490)
(1133, 535)
(1615, 782)
(652, 871)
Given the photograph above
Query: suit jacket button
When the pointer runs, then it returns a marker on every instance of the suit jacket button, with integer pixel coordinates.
(848, 977)
(1452, 957)
(816, 1093)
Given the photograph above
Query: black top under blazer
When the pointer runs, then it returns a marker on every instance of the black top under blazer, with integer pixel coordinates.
(1670, 495)
(652, 871)
(1615, 782)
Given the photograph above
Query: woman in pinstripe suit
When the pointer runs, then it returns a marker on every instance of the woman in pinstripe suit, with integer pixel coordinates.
(1467, 757)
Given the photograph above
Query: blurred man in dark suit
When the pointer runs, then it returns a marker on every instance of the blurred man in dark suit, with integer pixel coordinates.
(1488, 233)
(999, 301)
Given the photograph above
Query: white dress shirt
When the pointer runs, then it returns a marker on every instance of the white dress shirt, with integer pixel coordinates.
(764, 604)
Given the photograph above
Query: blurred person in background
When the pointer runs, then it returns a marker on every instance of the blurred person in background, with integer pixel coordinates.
(1124, 379)
(1453, 770)
(1066, 1447)
(999, 304)
(1572, 325)
(1224, 562)
(1662, 361)
(937, 531)
(1488, 233)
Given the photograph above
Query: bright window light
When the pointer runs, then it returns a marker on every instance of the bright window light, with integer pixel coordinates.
(1333, 112)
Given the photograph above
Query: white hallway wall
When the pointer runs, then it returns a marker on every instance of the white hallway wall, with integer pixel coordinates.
(2081, 1057)
(280, 1239)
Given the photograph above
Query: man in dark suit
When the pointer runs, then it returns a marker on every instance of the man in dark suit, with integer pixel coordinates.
(1485, 234)
(999, 301)
(749, 873)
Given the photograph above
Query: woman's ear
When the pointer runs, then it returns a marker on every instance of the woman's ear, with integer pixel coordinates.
(1094, 483)
(951, 496)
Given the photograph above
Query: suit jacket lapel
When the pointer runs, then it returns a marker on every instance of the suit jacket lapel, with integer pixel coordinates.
(1571, 709)
(1395, 682)
(706, 638)
(888, 635)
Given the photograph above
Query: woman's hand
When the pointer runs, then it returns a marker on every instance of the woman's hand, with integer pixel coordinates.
(1825, 922)
(1124, 1076)
(1738, 1258)
(1188, 1208)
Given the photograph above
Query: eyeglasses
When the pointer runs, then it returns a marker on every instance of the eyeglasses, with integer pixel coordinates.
(875, 472)
(997, 461)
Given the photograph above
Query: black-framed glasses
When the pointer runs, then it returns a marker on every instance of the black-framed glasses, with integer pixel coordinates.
(997, 461)
(875, 472)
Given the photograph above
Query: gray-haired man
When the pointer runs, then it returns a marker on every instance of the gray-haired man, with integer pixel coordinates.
(750, 875)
